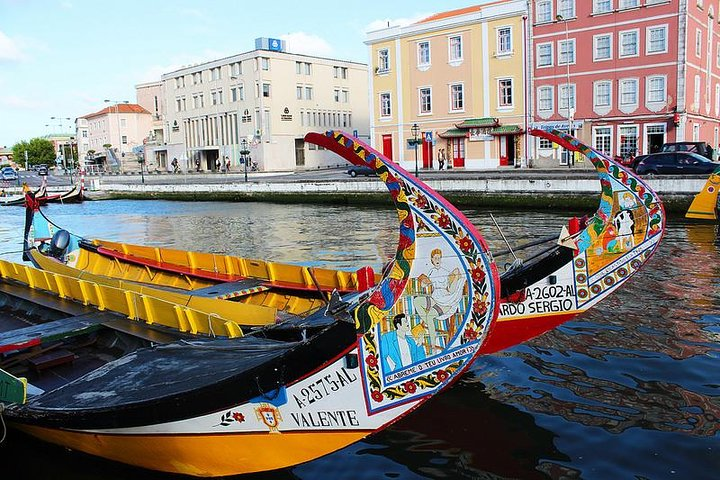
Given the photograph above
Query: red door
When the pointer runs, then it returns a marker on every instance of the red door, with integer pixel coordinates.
(387, 146)
(458, 152)
(427, 153)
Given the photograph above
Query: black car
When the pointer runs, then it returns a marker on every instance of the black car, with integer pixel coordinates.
(356, 170)
(42, 169)
(674, 163)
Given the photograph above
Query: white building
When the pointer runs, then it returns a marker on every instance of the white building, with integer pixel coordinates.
(270, 99)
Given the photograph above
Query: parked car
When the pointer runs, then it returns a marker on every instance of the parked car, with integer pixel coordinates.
(42, 169)
(356, 170)
(701, 148)
(674, 163)
(8, 173)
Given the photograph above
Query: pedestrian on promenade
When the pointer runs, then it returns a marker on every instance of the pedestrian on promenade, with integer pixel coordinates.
(217, 164)
(174, 164)
(227, 164)
(197, 164)
(441, 159)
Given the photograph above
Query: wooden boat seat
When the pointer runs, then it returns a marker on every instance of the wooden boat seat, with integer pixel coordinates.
(228, 290)
(52, 359)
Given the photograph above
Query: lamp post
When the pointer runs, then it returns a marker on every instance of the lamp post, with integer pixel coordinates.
(244, 154)
(415, 129)
(560, 18)
(117, 113)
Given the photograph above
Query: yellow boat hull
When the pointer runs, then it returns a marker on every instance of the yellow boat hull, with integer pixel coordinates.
(203, 455)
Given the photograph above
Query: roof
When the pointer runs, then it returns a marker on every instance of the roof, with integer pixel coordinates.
(457, 12)
(506, 130)
(453, 133)
(478, 123)
(118, 108)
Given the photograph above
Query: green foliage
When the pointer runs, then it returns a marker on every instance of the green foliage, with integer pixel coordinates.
(39, 150)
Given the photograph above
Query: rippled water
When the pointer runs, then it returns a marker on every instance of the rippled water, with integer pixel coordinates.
(629, 390)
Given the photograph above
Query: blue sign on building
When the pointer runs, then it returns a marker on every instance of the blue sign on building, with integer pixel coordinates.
(428, 137)
(275, 44)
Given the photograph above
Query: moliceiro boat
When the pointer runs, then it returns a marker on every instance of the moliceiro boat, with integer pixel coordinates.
(705, 204)
(174, 386)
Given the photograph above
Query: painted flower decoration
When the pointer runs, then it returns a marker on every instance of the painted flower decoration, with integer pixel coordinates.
(443, 220)
(478, 274)
(421, 202)
(479, 307)
(238, 417)
(470, 334)
(442, 375)
(371, 361)
(410, 387)
(377, 396)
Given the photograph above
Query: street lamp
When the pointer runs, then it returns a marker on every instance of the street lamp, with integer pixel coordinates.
(117, 113)
(415, 129)
(244, 154)
(560, 18)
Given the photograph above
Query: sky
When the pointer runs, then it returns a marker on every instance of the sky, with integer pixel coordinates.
(62, 58)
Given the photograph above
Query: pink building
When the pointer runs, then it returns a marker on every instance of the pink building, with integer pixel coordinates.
(625, 75)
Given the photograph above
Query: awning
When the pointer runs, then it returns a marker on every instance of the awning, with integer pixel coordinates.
(453, 133)
(506, 130)
(484, 122)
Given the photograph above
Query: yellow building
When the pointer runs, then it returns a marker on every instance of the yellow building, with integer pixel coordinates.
(456, 81)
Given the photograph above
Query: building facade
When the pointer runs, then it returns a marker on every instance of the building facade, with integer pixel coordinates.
(158, 155)
(455, 81)
(122, 127)
(625, 76)
(264, 102)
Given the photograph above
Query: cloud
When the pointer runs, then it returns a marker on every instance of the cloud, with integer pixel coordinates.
(9, 49)
(17, 102)
(309, 44)
(394, 22)
(154, 72)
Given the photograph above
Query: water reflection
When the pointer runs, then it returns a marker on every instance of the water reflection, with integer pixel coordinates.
(628, 390)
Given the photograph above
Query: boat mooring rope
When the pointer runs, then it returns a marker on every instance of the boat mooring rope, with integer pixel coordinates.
(2, 422)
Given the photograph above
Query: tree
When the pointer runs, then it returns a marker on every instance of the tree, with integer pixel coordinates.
(39, 150)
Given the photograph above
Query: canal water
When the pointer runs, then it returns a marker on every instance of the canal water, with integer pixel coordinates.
(629, 390)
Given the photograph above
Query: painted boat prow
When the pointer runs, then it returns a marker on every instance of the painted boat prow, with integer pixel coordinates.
(705, 204)
(614, 244)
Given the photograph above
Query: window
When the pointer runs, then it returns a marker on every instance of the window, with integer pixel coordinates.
(698, 42)
(717, 101)
(602, 47)
(179, 82)
(265, 63)
(696, 98)
(544, 144)
(656, 89)
(566, 8)
(656, 40)
(124, 139)
(197, 78)
(298, 92)
(216, 97)
(385, 110)
(504, 40)
(457, 97)
(425, 100)
(629, 43)
(198, 101)
(308, 93)
(602, 137)
(423, 54)
(455, 53)
(566, 52)
(623, 4)
(700, 3)
(345, 96)
(298, 67)
(602, 6)
(505, 87)
(543, 11)
(236, 93)
(266, 90)
(603, 94)
(629, 92)
(236, 69)
(717, 56)
(308, 68)
(544, 54)
(628, 139)
(215, 74)
(383, 60)
(545, 99)
(567, 98)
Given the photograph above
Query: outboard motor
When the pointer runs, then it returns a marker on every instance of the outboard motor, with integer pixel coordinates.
(59, 243)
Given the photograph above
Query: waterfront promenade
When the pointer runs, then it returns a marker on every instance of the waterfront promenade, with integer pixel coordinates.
(552, 188)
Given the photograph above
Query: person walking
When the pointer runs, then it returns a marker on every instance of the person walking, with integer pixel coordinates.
(174, 164)
(441, 159)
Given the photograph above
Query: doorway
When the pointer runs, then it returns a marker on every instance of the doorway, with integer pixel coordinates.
(458, 153)
(211, 157)
(654, 138)
(299, 152)
(427, 153)
(387, 146)
(507, 150)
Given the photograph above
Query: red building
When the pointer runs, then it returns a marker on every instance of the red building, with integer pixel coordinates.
(625, 75)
